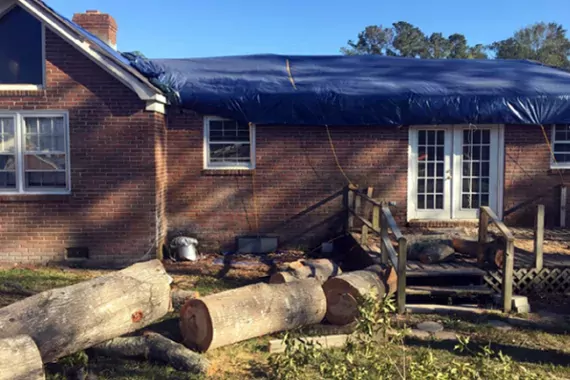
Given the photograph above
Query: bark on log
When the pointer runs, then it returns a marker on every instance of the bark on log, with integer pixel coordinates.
(20, 359)
(180, 297)
(251, 311)
(493, 251)
(155, 347)
(321, 269)
(343, 293)
(436, 253)
(66, 320)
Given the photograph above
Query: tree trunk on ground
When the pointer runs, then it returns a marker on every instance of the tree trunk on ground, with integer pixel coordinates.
(180, 297)
(66, 320)
(343, 293)
(436, 253)
(20, 359)
(321, 269)
(493, 251)
(251, 311)
(155, 347)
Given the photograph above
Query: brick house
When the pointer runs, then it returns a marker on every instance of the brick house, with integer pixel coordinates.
(93, 156)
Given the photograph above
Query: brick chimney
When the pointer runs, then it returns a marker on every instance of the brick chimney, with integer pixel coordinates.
(100, 24)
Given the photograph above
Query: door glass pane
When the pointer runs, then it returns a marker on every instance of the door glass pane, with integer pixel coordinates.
(430, 169)
(476, 147)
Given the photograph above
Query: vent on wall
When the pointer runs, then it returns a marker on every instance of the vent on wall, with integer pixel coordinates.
(255, 244)
(76, 253)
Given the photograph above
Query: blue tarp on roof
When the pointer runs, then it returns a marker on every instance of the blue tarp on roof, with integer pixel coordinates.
(364, 90)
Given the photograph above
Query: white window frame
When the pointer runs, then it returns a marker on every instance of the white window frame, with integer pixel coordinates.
(216, 166)
(19, 152)
(553, 163)
(5, 8)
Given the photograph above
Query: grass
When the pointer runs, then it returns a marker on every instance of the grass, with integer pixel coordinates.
(544, 353)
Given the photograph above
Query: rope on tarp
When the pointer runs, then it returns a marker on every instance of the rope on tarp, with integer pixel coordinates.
(333, 150)
(552, 154)
(291, 79)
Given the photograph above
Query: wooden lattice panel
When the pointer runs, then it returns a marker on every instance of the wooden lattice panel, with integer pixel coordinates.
(529, 281)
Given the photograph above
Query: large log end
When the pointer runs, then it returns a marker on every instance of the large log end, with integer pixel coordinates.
(196, 325)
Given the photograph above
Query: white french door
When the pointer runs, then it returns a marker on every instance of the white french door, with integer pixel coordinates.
(453, 170)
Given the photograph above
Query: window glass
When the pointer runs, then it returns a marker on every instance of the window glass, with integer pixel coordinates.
(21, 53)
(229, 144)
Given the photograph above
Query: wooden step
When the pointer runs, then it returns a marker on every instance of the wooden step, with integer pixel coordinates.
(448, 290)
(443, 270)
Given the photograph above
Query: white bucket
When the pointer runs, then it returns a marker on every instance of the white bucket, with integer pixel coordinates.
(188, 253)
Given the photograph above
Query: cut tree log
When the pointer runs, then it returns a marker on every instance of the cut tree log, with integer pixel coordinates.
(251, 311)
(343, 293)
(181, 296)
(66, 320)
(321, 269)
(436, 253)
(155, 347)
(493, 251)
(20, 359)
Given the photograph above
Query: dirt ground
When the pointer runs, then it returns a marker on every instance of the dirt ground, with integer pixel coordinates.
(546, 353)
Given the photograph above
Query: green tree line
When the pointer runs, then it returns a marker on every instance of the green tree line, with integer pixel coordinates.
(543, 42)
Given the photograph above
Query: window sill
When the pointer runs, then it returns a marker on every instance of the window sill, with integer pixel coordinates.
(555, 170)
(30, 197)
(228, 172)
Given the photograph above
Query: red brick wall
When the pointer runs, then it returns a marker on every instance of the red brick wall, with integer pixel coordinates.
(112, 206)
(295, 170)
(528, 177)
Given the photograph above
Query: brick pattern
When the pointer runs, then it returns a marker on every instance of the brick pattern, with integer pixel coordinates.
(295, 171)
(100, 24)
(114, 196)
(528, 177)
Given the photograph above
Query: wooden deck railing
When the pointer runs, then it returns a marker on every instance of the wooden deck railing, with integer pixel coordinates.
(487, 216)
(381, 224)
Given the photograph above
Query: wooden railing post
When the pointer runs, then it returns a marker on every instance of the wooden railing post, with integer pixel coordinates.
(349, 206)
(539, 237)
(563, 206)
(402, 260)
(483, 233)
(383, 238)
(508, 268)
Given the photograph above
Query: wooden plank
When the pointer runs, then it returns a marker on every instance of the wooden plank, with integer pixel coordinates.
(497, 222)
(402, 259)
(563, 200)
(483, 231)
(365, 222)
(364, 235)
(392, 223)
(448, 290)
(539, 237)
(350, 208)
(383, 238)
(508, 267)
(357, 204)
(434, 272)
(370, 200)
(376, 217)
(367, 206)
(277, 346)
(390, 251)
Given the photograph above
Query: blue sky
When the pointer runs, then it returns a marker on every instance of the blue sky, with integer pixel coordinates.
(200, 28)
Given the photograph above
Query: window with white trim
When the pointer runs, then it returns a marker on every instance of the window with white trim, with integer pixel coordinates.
(228, 144)
(561, 146)
(22, 53)
(34, 153)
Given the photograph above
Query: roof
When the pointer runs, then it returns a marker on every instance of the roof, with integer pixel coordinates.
(364, 90)
(99, 52)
